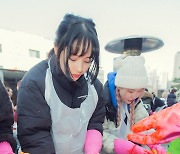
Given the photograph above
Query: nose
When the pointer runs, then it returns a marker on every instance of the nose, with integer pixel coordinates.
(135, 95)
(79, 66)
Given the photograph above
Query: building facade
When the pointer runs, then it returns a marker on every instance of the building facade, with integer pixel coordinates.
(20, 51)
(176, 72)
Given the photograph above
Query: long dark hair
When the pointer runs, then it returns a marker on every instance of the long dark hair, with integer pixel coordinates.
(76, 28)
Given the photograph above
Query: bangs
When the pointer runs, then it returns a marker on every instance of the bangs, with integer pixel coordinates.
(81, 42)
(85, 39)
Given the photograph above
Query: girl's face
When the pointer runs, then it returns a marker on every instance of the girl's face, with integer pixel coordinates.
(78, 64)
(129, 95)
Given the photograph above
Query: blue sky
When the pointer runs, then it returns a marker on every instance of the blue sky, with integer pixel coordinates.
(113, 18)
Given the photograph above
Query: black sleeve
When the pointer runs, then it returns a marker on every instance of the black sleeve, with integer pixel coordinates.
(6, 118)
(97, 118)
(159, 102)
(34, 120)
(110, 109)
(107, 96)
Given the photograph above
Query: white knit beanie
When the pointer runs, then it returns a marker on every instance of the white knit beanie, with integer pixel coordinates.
(132, 73)
(116, 63)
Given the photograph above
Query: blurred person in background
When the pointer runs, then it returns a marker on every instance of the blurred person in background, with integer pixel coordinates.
(15, 122)
(147, 100)
(157, 104)
(10, 93)
(164, 96)
(171, 99)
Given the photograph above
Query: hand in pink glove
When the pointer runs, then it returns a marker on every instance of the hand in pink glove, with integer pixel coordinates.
(126, 147)
(5, 148)
(93, 143)
(157, 149)
(166, 124)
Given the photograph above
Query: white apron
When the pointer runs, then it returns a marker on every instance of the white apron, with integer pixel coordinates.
(69, 126)
(123, 129)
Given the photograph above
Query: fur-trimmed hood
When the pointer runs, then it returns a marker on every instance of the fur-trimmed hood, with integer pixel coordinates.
(147, 95)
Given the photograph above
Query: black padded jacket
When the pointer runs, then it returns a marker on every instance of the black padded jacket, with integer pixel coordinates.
(34, 119)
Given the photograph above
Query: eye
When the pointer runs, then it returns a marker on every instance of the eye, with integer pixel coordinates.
(73, 58)
(87, 60)
(141, 90)
(130, 91)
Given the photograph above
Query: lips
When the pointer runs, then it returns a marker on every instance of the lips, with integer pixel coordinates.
(76, 76)
(130, 101)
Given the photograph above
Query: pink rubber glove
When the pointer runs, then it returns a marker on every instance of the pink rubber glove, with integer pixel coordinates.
(157, 149)
(126, 147)
(166, 124)
(5, 148)
(151, 112)
(93, 143)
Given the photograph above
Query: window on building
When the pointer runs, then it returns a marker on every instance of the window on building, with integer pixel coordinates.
(34, 53)
(0, 48)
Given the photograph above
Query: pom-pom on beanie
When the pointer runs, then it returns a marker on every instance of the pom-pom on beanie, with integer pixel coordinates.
(132, 73)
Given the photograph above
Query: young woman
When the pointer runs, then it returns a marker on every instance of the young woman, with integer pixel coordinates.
(7, 142)
(60, 100)
(126, 108)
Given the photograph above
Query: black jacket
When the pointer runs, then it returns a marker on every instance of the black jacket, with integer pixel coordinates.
(157, 102)
(6, 118)
(34, 119)
(147, 101)
(111, 112)
(171, 99)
